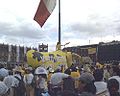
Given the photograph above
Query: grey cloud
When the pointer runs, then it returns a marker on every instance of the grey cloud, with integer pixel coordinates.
(21, 29)
(118, 29)
(83, 30)
(96, 28)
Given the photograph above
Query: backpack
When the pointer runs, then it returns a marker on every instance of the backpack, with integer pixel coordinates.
(20, 89)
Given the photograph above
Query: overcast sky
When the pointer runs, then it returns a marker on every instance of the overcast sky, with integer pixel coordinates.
(83, 22)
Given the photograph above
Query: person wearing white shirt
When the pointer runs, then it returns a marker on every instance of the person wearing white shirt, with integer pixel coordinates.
(10, 82)
(41, 81)
(100, 85)
(3, 89)
(3, 73)
(28, 78)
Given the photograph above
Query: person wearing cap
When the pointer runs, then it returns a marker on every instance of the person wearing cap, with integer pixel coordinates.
(3, 89)
(18, 72)
(57, 78)
(41, 81)
(86, 85)
(28, 77)
(56, 82)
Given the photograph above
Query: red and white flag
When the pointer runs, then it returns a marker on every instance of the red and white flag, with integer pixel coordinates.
(44, 10)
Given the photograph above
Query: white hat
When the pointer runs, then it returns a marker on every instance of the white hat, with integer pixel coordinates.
(86, 77)
(51, 70)
(9, 81)
(3, 88)
(40, 70)
(4, 72)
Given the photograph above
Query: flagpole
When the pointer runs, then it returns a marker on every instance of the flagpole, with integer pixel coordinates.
(59, 22)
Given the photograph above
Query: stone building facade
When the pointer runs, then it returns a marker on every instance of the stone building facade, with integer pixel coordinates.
(15, 54)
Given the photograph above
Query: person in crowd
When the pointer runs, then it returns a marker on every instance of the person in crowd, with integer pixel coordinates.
(110, 70)
(106, 72)
(18, 85)
(86, 85)
(9, 81)
(58, 69)
(116, 72)
(56, 83)
(28, 77)
(98, 65)
(113, 87)
(100, 85)
(41, 81)
(86, 68)
(50, 72)
(68, 87)
(58, 46)
(75, 74)
(3, 72)
(92, 69)
(3, 89)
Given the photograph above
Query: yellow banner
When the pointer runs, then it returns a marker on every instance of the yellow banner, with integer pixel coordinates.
(91, 50)
(46, 59)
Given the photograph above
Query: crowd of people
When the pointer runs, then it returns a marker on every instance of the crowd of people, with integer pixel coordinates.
(86, 80)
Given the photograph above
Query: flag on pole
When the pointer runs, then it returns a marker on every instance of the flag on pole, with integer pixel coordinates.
(44, 10)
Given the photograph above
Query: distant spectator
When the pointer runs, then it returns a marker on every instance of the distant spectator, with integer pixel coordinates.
(106, 73)
(58, 46)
